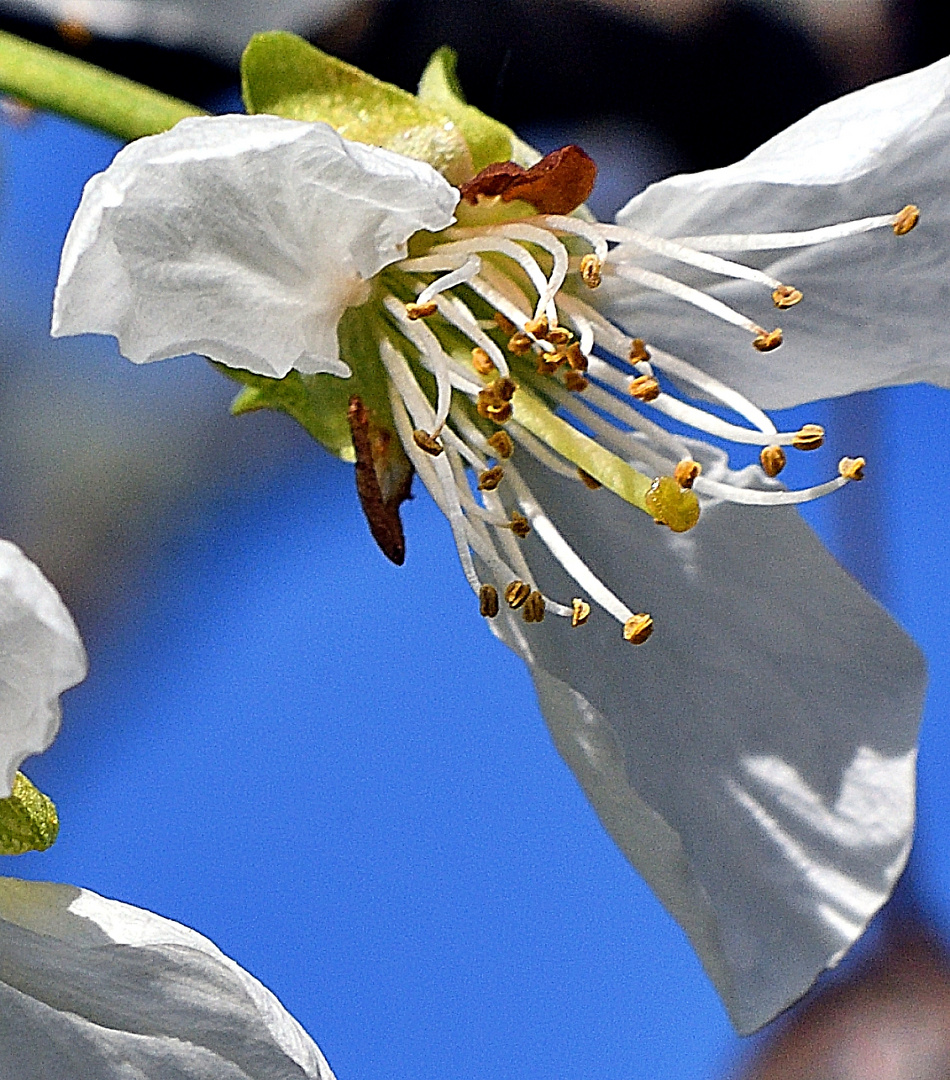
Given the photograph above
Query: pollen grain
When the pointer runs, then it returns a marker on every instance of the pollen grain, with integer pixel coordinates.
(809, 437)
(488, 601)
(580, 611)
(905, 220)
(516, 593)
(767, 340)
(772, 459)
(427, 442)
(852, 468)
(638, 628)
(785, 296)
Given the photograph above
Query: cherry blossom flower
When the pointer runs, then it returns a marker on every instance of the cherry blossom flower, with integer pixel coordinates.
(755, 760)
(91, 987)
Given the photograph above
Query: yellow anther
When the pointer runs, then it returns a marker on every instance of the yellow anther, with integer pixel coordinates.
(591, 267)
(906, 219)
(421, 311)
(559, 335)
(516, 592)
(499, 412)
(537, 327)
(549, 363)
(589, 481)
(533, 608)
(638, 351)
(638, 628)
(504, 389)
(482, 362)
(575, 382)
(504, 324)
(488, 601)
(501, 443)
(490, 478)
(519, 343)
(427, 442)
(644, 388)
(575, 357)
(494, 402)
(767, 340)
(686, 472)
(852, 468)
(810, 437)
(772, 459)
(671, 505)
(519, 525)
(785, 296)
(580, 611)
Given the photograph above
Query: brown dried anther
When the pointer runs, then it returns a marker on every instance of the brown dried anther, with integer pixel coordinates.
(519, 525)
(488, 601)
(557, 184)
(501, 443)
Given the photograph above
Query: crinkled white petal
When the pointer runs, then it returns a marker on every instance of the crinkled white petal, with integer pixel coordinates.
(755, 758)
(243, 238)
(93, 989)
(874, 312)
(41, 655)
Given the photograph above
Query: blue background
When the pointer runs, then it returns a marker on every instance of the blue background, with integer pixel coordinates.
(301, 750)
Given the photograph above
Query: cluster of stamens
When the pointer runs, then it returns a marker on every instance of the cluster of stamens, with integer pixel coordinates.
(523, 364)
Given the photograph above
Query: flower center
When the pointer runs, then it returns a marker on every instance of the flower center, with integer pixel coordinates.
(493, 350)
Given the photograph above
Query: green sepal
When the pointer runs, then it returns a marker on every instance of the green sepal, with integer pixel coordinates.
(287, 76)
(488, 140)
(28, 819)
(317, 402)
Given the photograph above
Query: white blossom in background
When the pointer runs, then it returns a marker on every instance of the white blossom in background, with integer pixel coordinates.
(754, 760)
(41, 655)
(93, 989)
(220, 28)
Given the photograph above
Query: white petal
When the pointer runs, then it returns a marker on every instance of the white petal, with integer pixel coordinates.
(41, 655)
(92, 989)
(755, 758)
(243, 238)
(874, 307)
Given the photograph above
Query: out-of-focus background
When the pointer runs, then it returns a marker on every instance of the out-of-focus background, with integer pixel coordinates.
(285, 741)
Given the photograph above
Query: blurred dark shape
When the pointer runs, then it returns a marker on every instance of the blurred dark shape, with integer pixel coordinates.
(717, 89)
(923, 27)
(183, 73)
(888, 1019)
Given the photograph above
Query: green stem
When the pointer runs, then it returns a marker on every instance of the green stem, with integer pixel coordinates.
(62, 84)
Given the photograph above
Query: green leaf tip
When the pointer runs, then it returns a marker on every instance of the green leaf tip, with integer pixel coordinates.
(284, 75)
(488, 140)
(28, 819)
(317, 402)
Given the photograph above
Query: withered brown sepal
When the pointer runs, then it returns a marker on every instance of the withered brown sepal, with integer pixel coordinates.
(557, 184)
(383, 479)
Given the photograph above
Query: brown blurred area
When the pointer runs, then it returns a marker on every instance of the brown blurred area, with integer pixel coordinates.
(887, 1018)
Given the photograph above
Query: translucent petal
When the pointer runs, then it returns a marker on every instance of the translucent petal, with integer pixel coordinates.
(41, 655)
(93, 989)
(874, 307)
(755, 758)
(243, 238)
